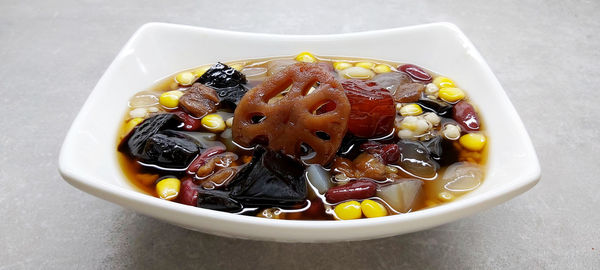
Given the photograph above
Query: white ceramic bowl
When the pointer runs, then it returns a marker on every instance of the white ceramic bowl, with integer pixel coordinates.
(88, 155)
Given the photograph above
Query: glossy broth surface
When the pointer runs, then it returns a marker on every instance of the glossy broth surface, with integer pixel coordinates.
(434, 190)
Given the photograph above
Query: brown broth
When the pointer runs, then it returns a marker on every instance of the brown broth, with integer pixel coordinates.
(144, 181)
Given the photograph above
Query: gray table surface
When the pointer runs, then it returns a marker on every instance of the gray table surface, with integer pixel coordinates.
(545, 54)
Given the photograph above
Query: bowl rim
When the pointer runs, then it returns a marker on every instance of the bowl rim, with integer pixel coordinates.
(130, 198)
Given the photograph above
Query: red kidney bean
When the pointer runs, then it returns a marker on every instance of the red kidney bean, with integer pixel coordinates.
(202, 158)
(416, 73)
(357, 189)
(390, 153)
(190, 123)
(465, 115)
(188, 193)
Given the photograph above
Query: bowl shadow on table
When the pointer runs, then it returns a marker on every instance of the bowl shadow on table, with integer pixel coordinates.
(156, 244)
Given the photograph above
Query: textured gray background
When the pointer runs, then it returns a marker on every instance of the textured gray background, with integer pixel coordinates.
(545, 54)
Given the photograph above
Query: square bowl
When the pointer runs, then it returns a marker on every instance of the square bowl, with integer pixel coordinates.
(88, 158)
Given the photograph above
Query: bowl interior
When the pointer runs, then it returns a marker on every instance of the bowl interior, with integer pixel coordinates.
(88, 157)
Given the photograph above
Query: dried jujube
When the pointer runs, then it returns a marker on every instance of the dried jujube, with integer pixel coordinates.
(372, 110)
(199, 100)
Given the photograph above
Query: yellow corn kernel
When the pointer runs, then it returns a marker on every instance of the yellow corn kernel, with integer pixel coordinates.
(168, 188)
(473, 141)
(382, 68)
(306, 57)
(185, 78)
(341, 65)
(372, 209)
(367, 65)
(451, 94)
(131, 124)
(348, 210)
(411, 109)
(237, 66)
(170, 99)
(445, 196)
(213, 122)
(200, 71)
(441, 82)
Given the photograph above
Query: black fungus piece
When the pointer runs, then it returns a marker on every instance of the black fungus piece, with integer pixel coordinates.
(434, 145)
(170, 150)
(227, 82)
(441, 108)
(222, 76)
(416, 159)
(450, 153)
(350, 147)
(271, 179)
(218, 200)
(135, 142)
(231, 96)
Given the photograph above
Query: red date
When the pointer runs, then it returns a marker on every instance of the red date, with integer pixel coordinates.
(357, 189)
(372, 110)
(416, 73)
(465, 115)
